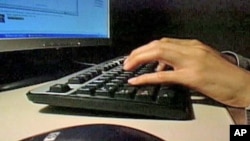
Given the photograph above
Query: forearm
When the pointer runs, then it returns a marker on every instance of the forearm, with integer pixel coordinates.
(244, 94)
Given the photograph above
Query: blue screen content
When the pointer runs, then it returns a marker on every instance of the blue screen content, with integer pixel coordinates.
(54, 19)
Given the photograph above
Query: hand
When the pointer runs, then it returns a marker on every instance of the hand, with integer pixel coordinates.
(196, 66)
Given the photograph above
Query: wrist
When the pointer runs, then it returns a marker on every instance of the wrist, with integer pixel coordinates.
(248, 94)
(246, 91)
(240, 92)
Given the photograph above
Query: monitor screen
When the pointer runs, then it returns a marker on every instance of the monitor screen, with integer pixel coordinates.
(36, 24)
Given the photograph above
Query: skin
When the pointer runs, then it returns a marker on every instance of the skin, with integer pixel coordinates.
(196, 66)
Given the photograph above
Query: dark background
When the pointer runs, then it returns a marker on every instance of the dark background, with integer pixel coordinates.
(222, 24)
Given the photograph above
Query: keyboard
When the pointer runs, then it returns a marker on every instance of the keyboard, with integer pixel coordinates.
(103, 87)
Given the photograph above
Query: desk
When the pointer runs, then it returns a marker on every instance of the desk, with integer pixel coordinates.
(20, 118)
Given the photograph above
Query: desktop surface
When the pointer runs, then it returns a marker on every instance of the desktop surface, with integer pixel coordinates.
(20, 119)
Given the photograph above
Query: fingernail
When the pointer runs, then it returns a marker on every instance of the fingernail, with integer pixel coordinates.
(125, 67)
(132, 80)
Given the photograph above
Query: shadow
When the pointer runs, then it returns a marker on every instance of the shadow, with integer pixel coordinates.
(91, 113)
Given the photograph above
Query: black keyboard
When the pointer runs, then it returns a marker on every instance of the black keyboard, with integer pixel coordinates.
(104, 87)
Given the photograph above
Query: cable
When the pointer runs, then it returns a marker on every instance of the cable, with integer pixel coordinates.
(84, 63)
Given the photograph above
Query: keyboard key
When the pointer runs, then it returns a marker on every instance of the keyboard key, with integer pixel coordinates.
(117, 81)
(125, 93)
(86, 90)
(59, 88)
(93, 84)
(77, 80)
(165, 96)
(99, 82)
(146, 94)
(107, 91)
(86, 77)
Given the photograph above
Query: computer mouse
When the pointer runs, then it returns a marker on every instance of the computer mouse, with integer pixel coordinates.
(95, 132)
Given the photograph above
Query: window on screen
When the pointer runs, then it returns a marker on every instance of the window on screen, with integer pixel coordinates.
(57, 18)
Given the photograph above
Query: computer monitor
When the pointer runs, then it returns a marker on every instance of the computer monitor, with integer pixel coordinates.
(41, 24)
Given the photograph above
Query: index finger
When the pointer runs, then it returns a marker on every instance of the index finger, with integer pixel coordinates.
(165, 52)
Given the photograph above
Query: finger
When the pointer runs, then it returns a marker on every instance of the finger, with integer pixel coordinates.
(137, 51)
(161, 66)
(144, 48)
(186, 42)
(169, 53)
(174, 40)
(140, 51)
(163, 77)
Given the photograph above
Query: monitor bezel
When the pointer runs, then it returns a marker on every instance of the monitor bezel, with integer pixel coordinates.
(8, 45)
(24, 44)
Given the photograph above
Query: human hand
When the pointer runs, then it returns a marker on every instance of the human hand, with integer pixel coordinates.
(196, 66)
